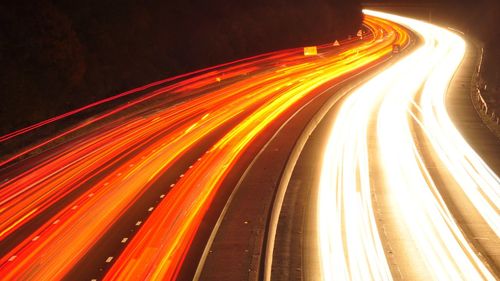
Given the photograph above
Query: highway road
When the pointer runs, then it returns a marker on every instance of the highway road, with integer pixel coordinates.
(339, 166)
(129, 193)
(400, 194)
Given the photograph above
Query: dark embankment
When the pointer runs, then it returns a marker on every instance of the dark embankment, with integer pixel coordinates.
(59, 55)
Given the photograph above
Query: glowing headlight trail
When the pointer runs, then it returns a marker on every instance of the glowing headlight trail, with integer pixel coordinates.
(471, 173)
(350, 246)
(443, 247)
(158, 140)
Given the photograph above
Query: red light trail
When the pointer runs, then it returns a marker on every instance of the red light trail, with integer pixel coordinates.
(111, 165)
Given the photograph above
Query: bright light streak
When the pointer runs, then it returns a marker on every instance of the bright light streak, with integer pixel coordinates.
(350, 247)
(443, 246)
(471, 173)
(115, 164)
(206, 176)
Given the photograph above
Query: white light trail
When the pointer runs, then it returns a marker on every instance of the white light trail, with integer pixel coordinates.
(477, 180)
(350, 246)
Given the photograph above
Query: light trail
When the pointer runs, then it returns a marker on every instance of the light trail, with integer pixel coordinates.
(350, 246)
(110, 167)
(470, 172)
(202, 182)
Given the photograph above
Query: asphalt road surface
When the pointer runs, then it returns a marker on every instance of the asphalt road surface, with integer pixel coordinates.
(391, 199)
(134, 191)
(338, 165)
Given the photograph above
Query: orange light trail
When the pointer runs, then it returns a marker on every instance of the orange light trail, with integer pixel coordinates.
(113, 164)
(167, 238)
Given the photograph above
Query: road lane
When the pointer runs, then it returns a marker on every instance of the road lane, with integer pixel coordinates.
(486, 145)
(381, 211)
(207, 175)
(135, 144)
(240, 239)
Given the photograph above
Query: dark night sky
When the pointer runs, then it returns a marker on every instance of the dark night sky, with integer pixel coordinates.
(57, 55)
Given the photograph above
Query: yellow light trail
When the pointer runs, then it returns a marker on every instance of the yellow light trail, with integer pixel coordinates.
(350, 246)
(206, 176)
(136, 150)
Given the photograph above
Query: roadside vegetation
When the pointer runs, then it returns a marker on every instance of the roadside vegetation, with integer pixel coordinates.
(59, 55)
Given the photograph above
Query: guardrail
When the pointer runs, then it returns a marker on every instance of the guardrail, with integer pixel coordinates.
(483, 107)
(481, 104)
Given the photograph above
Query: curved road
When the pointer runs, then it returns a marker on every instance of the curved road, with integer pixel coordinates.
(399, 194)
(130, 192)
(344, 165)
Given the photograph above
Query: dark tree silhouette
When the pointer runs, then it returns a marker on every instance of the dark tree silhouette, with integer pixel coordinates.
(57, 55)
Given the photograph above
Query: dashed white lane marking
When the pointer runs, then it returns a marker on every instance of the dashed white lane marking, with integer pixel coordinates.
(125, 239)
(93, 279)
(35, 238)
(12, 258)
(74, 207)
(56, 221)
